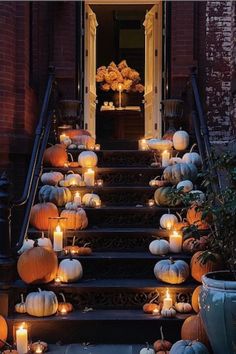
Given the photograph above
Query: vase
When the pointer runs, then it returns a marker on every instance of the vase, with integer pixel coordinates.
(69, 110)
(218, 310)
(172, 111)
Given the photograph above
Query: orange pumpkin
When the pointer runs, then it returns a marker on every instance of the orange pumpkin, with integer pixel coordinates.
(194, 217)
(55, 155)
(37, 265)
(76, 132)
(40, 213)
(64, 306)
(192, 329)
(3, 330)
(192, 245)
(195, 298)
(10, 351)
(198, 268)
(150, 307)
(162, 344)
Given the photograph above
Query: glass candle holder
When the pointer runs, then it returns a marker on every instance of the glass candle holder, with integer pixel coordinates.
(100, 182)
(21, 337)
(38, 347)
(57, 232)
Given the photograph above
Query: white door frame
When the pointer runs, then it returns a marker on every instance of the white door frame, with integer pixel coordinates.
(157, 120)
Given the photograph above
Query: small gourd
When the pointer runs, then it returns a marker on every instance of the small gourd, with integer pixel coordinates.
(44, 241)
(72, 146)
(64, 305)
(27, 244)
(167, 221)
(159, 247)
(71, 206)
(66, 142)
(162, 344)
(168, 312)
(70, 270)
(180, 140)
(150, 306)
(147, 350)
(183, 307)
(192, 157)
(20, 307)
(91, 200)
(186, 186)
(73, 179)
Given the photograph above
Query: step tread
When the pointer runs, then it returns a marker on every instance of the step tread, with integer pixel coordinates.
(100, 315)
(112, 283)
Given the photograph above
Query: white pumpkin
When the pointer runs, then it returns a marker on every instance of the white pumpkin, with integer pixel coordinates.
(72, 146)
(168, 312)
(181, 140)
(187, 186)
(42, 303)
(175, 160)
(67, 142)
(188, 347)
(147, 350)
(72, 206)
(44, 241)
(192, 157)
(52, 178)
(70, 270)
(27, 244)
(159, 247)
(171, 272)
(87, 159)
(183, 307)
(91, 200)
(159, 144)
(167, 221)
(73, 179)
(199, 195)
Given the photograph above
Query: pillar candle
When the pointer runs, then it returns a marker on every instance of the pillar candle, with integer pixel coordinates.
(22, 340)
(89, 177)
(175, 242)
(167, 302)
(142, 144)
(77, 198)
(58, 239)
(165, 158)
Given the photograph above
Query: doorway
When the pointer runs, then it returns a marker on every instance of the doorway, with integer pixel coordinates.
(128, 37)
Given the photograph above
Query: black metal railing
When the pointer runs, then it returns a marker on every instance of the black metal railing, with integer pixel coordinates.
(202, 133)
(35, 167)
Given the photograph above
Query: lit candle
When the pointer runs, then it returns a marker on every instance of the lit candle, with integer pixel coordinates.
(156, 312)
(22, 339)
(142, 144)
(100, 182)
(167, 302)
(63, 311)
(169, 225)
(63, 137)
(97, 147)
(165, 158)
(57, 280)
(58, 239)
(175, 242)
(89, 177)
(151, 202)
(77, 198)
(120, 89)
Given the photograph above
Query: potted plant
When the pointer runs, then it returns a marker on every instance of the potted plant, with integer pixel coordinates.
(218, 295)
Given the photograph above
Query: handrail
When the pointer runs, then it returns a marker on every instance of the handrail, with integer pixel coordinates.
(41, 138)
(201, 131)
(38, 137)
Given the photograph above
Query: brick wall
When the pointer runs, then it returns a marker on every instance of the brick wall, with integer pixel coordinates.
(220, 65)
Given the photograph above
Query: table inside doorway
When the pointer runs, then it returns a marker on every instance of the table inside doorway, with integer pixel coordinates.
(127, 123)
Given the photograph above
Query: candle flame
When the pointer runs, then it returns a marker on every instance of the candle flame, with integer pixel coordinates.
(58, 228)
(90, 170)
(176, 234)
(167, 294)
(77, 194)
(169, 225)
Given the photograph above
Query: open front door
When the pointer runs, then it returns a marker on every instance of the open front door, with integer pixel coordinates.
(153, 71)
(90, 95)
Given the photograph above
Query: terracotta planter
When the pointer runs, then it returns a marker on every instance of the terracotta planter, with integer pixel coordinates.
(218, 310)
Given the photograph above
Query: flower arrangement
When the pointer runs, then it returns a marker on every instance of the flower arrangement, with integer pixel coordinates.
(114, 75)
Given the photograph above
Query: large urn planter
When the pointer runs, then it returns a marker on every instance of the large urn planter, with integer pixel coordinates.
(218, 310)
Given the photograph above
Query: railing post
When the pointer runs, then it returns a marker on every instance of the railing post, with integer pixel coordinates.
(7, 263)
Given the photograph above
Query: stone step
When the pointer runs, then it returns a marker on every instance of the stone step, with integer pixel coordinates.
(112, 238)
(110, 293)
(118, 176)
(101, 326)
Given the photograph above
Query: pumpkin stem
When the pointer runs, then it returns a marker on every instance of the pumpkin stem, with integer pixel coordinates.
(156, 177)
(71, 156)
(87, 244)
(39, 290)
(63, 297)
(172, 260)
(22, 298)
(148, 346)
(42, 235)
(180, 217)
(70, 172)
(192, 147)
(73, 241)
(162, 335)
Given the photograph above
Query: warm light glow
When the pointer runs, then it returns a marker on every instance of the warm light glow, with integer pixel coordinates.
(57, 280)
(167, 294)
(151, 202)
(63, 310)
(165, 158)
(119, 87)
(22, 339)
(176, 240)
(176, 234)
(169, 225)
(58, 228)
(100, 182)
(77, 194)
(97, 147)
(155, 312)
(142, 144)
(90, 170)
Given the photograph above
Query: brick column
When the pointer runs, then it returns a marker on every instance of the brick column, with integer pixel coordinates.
(220, 31)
